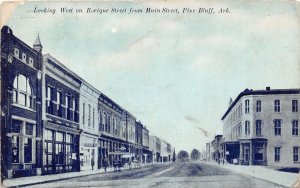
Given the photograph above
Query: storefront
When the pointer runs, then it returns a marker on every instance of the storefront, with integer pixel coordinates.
(88, 152)
(60, 149)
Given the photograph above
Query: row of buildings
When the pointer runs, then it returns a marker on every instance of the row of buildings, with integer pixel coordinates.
(53, 121)
(260, 127)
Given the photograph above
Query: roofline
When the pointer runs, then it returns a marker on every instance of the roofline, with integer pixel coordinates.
(248, 92)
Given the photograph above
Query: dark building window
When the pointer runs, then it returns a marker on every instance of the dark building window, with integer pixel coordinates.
(296, 151)
(258, 127)
(68, 106)
(59, 104)
(247, 127)
(277, 127)
(295, 127)
(277, 154)
(49, 100)
(76, 112)
(83, 113)
(258, 106)
(247, 106)
(277, 105)
(22, 93)
(89, 115)
(295, 106)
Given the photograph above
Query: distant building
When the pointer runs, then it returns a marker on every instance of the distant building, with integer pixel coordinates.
(261, 127)
(208, 152)
(139, 140)
(216, 148)
(147, 154)
(166, 152)
(155, 147)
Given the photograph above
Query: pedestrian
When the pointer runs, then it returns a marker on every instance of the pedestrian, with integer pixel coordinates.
(93, 163)
(115, 165)
(105, 163)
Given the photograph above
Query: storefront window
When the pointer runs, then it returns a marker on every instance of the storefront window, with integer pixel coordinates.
(15, 149)
(28, 150)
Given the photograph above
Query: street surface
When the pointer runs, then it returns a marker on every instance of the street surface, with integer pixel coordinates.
(166, 175)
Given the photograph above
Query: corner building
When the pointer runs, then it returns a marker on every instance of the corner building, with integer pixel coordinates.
(261, 127)
(21, 99)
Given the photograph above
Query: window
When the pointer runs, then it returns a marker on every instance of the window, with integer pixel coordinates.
(75, 108)
(22, 141)
(247, 127)
(49, 99)
(277, 105)
(83, 113)
(258, 127)
(108, 124)
(296, 151)
(89, 116)
(295, 106)
(93, 118)
(258, 106)
(277, 127)
(22, 93)
(59, 103)
(68, 107)
(30, 61)
(24, 57)
(277, 154)
(295, 127)
(16, 53)
(247, 108)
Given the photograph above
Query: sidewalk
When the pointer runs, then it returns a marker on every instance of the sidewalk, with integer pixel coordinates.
(26, 181)
(262, 172)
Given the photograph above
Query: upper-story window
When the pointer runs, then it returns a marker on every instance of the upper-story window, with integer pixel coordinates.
(68, 107)
(59, 103)
(83, 113)
(75, 108)
(24, 57)
(277, 126)
(17, 53)
(258, 106)
(30, 61)
(258, 127)
(247, 127)
(247, 106)
(277, 105)
(49, 99)
(89, 115)
(93, 118)
(295, 128)
(277, 154)
(22, 92)
(295, 106)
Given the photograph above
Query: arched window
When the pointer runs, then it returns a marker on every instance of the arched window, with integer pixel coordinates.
(22, 93)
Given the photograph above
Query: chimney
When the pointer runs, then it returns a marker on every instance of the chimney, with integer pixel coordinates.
(268, 88)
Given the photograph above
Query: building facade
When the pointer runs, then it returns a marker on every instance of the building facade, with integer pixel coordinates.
(147, 154)
(21, 107)
(261, 127)
(139, 140)
(89, 123)
(155, 147)
(216, 147)
(60, 115)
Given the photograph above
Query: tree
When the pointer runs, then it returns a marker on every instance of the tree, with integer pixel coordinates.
(195, 155)
(174, 156)
(183, 156)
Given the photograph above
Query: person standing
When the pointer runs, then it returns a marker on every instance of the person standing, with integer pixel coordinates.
(105, 163)
(93, 163)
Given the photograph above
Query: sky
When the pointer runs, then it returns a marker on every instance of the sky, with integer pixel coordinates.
(174, 72)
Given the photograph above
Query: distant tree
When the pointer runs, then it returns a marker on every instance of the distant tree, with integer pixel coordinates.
(174, 156)
(182, 156)
(195, 155)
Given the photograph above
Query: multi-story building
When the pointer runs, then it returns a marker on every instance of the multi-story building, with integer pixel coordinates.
(147, 154)
(261, 127)
(131, 145)
(21, 98)
(208, 151)
(89, 122)
(112, 130)
(166, 152)
(60, 116)
(139, 140)
(155, 147)
(216, 148)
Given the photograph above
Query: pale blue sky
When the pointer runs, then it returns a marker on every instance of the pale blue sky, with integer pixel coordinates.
(174, 72)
